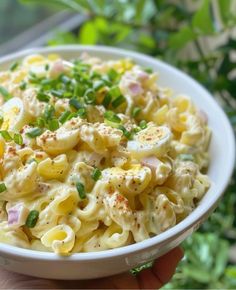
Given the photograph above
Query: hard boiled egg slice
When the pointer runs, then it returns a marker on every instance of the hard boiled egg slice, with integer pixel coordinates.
(14, 115)
(154, 140)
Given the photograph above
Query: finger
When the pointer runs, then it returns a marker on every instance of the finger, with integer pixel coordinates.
(120, 281)
(9, 280)
(165, 266)
(147, 280)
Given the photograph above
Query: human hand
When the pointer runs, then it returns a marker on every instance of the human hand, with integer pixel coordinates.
(161, 272)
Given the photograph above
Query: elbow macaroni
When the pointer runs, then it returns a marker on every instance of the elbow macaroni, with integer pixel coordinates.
(99, 175)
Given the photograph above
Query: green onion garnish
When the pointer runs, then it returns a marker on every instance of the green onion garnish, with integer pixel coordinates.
(40, 122)
(97, 85)
(79, 90)
(32, 219)
(82, 113)
(18, 139)
(106, 80)
(57, 93)
(75, 103)
(115, 92)
(118, 101)
(64, 116)
(186, 157)
(5, 93)
(126, 133)
(135, 112)
(2, 187)
(112, 117)
(31, 160)
(106, 101)
(43, 97)
(49, 112)
(90, 97)
(112, 74)
(7, 137)
(23, 86)
(143, 124)
(13, 66)
(81, 190)
(96, 174)
(65, 79)
(34, 132)
(1, 120)
(53, 124)
(148, 70)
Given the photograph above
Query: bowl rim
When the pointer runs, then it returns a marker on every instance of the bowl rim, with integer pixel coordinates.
(201, 211)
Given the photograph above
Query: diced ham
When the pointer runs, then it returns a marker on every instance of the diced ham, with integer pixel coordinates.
(135, 88)
(142, 75)
(57, 68)
(17, 215)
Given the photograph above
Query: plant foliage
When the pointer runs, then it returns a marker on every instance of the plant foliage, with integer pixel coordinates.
(196, 36)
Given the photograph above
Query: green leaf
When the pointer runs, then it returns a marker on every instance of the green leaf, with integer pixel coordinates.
(63, 38)
(197, 274)
(202, 21)
(181, 38)
(225, 10)
(71, 4)
(88, 33)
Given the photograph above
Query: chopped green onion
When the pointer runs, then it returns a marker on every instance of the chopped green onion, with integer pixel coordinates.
(81, 190)
(148, 70)
(13, 66)
(57, 93)
(2, 187)
(49, 112)
(115, 92)
(143, 124)
(41, 122)
(18, 139)
(118, 101)
(31, 160)
(136, 130)
(32, 219)
(112, 74)
(75, 103)
(46, 66)
(5, 93)
(97, 85)
(65, 79)
(90, 97)
(126, 133)
(34, 132)
(106, 101)
(23, 86)
(1, 120)
(111, 116)
(7, 137)
(64, 116)
(106, 80)
(82, 113)
(43, 97)
(135, 112)
(96, 174)
(53, 124)
(79, 90)
(186, 157)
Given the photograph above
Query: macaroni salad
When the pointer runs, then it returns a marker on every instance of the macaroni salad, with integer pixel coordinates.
(95, 155)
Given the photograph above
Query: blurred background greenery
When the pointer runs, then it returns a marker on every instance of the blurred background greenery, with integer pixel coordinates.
(197, 36)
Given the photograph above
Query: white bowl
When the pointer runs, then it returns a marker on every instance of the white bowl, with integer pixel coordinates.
(105, 263)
